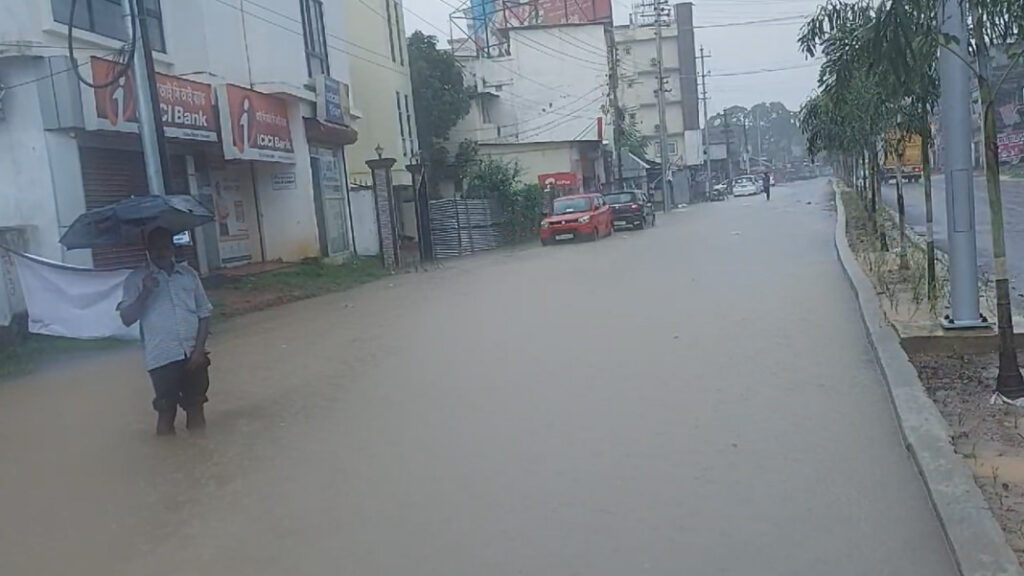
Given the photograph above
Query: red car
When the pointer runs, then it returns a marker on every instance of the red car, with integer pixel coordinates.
(585, 216)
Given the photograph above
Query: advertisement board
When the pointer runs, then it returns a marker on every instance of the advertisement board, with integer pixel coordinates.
(1011, 146)
(186, 107)
(255, 125)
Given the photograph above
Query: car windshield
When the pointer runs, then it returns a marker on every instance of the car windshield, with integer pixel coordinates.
(571, 205)
(621, 198)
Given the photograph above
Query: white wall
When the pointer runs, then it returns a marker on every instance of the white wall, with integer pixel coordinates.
(26, 189)
(375, 80)
(536, 158)
(559, 86)
(290, 229)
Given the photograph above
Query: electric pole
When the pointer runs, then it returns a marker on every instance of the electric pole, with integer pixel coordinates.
(659, 6)
(618, 115)
(704, 98)
(727, 128)
(955, 110)
(147, 100)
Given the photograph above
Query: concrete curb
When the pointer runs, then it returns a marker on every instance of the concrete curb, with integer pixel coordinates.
(977, 542)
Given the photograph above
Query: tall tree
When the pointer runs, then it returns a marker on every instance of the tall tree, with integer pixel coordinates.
(440, 95)
(999, 22)
(904, 47)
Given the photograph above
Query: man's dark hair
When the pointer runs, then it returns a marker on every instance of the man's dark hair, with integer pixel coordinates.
(158, 236)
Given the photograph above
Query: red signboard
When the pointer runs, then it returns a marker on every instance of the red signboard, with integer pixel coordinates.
(255, 125)
(558, 181)
(186, 107)
(1011, 147)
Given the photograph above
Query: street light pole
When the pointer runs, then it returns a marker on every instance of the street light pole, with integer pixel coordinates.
(955, 110)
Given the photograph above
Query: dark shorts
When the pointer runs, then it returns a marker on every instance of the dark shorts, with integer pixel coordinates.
(175, 386)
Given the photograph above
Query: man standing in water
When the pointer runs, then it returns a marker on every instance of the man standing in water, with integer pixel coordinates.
(766, 183)
(168, 300)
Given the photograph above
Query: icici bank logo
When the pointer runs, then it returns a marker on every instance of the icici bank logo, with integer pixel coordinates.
(242, 125)
(117, 101)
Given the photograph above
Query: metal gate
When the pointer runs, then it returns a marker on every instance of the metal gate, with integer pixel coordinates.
(459, 227)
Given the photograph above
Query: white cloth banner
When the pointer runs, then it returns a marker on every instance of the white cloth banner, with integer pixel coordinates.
(70, 301)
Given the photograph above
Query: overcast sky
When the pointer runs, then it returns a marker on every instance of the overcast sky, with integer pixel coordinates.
(734, 49)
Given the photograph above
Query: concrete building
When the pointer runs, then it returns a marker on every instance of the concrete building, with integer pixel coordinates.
(255, 102)
(543, 104)
(638, 81)
(382, 98)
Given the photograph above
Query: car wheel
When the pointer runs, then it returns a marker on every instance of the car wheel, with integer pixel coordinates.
(545, 242)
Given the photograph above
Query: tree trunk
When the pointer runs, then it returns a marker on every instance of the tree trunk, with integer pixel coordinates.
(1009, 381)
(929, 214)
(901, 206)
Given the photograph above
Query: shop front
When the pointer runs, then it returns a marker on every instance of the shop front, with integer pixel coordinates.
(327, 135)
(112, 165)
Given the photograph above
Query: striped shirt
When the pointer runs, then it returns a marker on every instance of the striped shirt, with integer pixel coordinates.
(170, 318)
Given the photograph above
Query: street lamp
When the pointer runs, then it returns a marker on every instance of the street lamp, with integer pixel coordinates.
(380, 151)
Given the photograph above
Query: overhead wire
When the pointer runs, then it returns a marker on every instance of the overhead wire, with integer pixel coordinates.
(123, 56)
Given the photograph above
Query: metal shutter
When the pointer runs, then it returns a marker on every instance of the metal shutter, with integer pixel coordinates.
(109, 176)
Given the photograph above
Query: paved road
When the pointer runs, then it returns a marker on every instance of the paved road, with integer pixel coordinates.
(1013, 215)
(694, 399)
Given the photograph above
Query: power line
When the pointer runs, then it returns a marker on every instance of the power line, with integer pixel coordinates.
(548, 113)
(536, 131)
(58, 72)
(245, 12)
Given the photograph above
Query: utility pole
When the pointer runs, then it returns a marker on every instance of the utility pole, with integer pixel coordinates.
(618, 115)
(757, 118)
(704, 98)
(727, 129)
(955, 110)
(659, 5)
(147, 101)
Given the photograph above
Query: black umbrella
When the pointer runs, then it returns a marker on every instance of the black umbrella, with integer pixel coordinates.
(129, 220)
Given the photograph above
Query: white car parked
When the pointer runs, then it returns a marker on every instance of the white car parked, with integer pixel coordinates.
(746, 186)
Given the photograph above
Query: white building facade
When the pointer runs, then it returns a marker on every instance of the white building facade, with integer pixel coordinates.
(637, 51)
(239, 85)
(544, 105)
(382, 102)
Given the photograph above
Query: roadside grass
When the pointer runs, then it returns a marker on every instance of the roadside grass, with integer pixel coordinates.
(37, 350)
(299, 282)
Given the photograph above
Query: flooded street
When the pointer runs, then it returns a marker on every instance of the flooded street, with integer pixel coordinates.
(697, 398)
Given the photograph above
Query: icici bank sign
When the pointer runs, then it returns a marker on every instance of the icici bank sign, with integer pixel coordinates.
(186, 107)
(255, 125)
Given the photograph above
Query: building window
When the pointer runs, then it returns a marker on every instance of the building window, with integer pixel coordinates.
(408, 125)
(398, 33)
(104, 17)
(401, 124)
(316, 37)
(672, 149)
(391, 30)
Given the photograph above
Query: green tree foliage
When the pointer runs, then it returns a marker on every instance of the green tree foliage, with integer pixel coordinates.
(439, 92)
(499, 180)
(880, 75)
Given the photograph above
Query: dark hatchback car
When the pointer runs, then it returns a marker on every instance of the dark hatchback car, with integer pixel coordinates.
(631, 208)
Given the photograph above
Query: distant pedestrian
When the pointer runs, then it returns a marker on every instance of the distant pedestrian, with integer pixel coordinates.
(169, 302)
(766, 183)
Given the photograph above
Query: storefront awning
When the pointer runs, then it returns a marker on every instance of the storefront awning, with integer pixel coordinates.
(331, 134)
